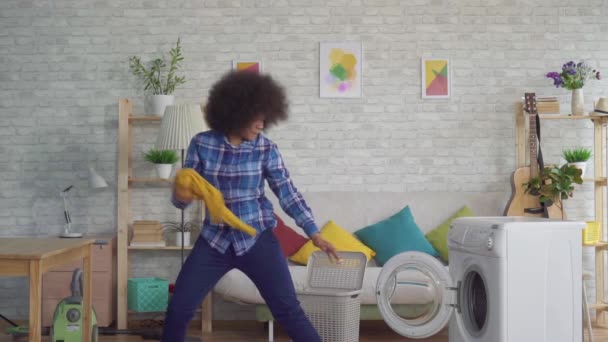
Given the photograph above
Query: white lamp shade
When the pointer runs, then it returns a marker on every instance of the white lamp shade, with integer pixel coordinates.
(95, 180)
(179, 124)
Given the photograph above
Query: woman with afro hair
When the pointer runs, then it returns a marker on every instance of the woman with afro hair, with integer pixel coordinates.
(237, 158)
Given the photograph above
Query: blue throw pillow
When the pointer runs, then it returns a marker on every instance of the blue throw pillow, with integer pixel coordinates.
(398, 233)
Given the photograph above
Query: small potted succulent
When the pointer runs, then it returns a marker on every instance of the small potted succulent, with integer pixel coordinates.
(577, 157)
(160, 84)
(163, 159)
(554, 184)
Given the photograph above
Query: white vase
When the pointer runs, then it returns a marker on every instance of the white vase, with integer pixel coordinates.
(155, 104)
(578, 102)
(178, 238)
(164, 170)
(580, 165)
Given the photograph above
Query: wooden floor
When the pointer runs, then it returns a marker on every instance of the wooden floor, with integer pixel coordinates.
(254, 332)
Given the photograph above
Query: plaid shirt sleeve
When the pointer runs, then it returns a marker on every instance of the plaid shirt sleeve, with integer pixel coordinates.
(192, 161)
(290, 199)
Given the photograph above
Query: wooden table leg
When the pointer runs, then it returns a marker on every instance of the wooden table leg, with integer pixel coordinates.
(207, 314)
(35, 323)
(87, 295)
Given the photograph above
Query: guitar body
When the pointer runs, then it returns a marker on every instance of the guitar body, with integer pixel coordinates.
(520, 200)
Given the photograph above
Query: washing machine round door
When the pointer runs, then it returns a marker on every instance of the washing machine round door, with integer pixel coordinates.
(415, 294)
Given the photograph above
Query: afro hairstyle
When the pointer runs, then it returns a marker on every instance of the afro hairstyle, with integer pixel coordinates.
(241, 97)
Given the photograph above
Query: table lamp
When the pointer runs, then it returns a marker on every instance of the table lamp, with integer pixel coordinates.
(95, 182)
(180, 123)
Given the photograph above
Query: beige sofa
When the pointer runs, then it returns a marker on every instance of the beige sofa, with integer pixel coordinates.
(353, 211)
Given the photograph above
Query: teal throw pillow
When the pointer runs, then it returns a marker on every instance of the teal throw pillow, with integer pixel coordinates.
(396, 234)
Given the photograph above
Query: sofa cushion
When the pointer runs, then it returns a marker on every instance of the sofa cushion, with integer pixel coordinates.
(396, 234)
(339, 237)
(289, 240)
(438, 237)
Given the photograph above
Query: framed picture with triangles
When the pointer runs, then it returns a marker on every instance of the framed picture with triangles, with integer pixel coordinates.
(248, 65)
(436, 78)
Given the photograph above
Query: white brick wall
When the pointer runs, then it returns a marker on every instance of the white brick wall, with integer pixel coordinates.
(63, 66)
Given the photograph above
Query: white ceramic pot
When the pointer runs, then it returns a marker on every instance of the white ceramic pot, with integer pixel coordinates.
(155, 104)
(578, 102)
(178, 238)
(580, 165)
(164, 170)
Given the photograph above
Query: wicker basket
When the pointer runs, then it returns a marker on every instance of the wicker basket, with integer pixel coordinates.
(331, 300)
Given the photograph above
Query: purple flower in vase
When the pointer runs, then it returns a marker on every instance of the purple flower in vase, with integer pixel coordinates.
(573, 75)
(557, 79)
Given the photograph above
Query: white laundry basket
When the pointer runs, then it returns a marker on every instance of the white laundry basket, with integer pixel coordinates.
(331, 299)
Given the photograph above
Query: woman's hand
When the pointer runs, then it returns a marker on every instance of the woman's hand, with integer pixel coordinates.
(325, 246)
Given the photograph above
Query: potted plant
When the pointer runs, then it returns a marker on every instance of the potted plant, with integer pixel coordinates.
(181, 231)
(573, 77)
(577, 157)
(555, 184)
(162, 86)
(163, 159)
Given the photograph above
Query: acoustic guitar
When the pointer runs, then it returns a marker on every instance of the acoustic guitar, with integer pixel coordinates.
(522, 203)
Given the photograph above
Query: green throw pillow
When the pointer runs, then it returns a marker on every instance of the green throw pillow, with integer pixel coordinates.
(438, 237)
(396, 234)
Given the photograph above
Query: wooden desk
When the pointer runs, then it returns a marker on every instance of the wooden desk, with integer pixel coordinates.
(34, 256)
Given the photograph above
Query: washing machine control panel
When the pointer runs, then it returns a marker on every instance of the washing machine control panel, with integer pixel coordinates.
(473, 239)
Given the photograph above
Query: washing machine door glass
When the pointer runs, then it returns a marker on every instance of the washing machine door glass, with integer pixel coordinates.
(415, 294)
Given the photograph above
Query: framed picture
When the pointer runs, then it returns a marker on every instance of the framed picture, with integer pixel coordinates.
(436, 78)
(340, 69)
(253, 66)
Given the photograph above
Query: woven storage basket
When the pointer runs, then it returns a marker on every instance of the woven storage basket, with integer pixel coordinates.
(331, 299)
(147, 294)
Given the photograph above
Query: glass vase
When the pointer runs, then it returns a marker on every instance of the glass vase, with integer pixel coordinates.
(578, 103)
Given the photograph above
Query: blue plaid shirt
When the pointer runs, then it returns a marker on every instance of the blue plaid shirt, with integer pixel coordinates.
(239, 173)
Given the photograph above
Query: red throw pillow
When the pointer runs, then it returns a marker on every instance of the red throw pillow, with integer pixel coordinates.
(289, 240)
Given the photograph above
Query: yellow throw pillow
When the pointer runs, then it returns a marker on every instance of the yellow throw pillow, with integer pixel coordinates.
(343, 240)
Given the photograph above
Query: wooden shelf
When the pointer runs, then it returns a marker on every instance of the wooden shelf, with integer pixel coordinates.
(144, 118)
(600, 245)
(602, 180)
(126, 185)
(571, 117)
(149, 180)
(598, 306)
(131, 312)
(154, 248)
(599, 188)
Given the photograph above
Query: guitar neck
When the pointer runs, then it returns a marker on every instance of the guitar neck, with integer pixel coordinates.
(533, 143)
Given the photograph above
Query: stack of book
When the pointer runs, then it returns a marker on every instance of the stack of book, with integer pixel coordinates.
(547, 105)
(147, 234)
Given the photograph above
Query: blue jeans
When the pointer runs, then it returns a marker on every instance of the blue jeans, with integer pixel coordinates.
(264, 264)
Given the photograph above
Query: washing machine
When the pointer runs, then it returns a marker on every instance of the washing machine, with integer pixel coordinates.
(515, 279)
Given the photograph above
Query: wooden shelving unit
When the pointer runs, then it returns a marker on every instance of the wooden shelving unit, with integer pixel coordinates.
(600, 184)
(126, 182)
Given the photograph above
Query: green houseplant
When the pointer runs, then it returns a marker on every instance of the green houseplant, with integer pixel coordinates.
(181, 231)
(163, 159)
(158, 80)
(555, 184)
(577, 157)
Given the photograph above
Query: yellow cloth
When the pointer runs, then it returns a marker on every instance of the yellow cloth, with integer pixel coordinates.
(190, 184)
(339, 237)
